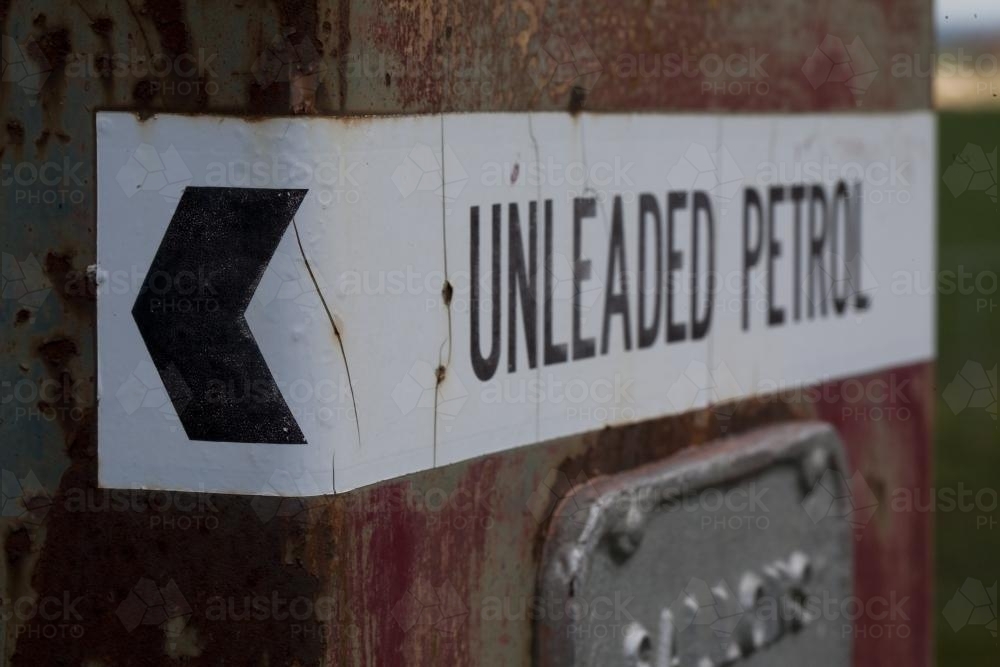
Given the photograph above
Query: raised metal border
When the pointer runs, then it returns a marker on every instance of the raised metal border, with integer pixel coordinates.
(598, 510)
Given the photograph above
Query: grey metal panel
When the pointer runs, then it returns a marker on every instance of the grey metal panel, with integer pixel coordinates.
(730, 553)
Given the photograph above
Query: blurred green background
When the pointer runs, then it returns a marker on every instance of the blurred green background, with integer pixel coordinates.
(967, 440)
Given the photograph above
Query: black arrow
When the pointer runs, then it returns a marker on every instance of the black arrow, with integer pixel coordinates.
(190, 312)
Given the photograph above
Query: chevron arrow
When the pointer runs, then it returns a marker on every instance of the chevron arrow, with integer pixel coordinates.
(191, 314)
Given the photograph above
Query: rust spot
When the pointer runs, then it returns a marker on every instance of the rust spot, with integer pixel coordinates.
(577, 97)
(343, 47)
(300, 51)
(168, 17)
(302, 15)
(54, 47)
(447, 292)
(43, 139)
(440, 373)
(102, 25)
(104, 64)
(303, 88)
(82, 439)
(17, 545)
(72, 285)
(22, 317)
(176, 89)
(51, 52)
(57, 265)
(15, 131)
(57, 353)
(144, 92)
(271, 99)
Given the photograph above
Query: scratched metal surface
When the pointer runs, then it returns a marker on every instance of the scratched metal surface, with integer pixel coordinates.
(390, 574)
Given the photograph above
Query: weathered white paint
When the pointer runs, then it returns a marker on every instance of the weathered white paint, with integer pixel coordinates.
(383, 226)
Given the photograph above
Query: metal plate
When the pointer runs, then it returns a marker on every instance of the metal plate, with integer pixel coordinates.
(738, 552)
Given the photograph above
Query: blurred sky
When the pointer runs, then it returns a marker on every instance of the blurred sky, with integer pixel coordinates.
(972, 26)
(961, 18)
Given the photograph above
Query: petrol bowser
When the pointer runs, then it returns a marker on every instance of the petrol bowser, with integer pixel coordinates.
(466, 333)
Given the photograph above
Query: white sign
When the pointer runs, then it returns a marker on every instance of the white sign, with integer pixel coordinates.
(297, 306)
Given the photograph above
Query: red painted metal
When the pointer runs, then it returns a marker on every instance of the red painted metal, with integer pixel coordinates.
(400, 573)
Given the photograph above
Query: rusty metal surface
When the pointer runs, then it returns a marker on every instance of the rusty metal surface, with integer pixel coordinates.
(483, 548)
(401, 573)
